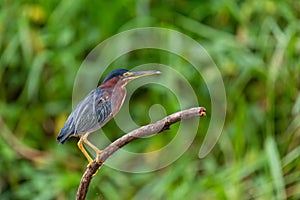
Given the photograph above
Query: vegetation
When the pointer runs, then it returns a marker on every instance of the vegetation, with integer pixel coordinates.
(256, 46)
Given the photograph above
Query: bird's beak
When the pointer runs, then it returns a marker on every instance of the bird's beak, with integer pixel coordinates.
(138, 74)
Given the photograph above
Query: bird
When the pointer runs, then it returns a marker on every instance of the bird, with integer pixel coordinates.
(98, 107)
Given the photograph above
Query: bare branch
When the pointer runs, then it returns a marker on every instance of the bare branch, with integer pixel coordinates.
(143, 131)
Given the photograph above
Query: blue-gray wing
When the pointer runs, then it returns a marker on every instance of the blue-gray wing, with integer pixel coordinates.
(88, 116)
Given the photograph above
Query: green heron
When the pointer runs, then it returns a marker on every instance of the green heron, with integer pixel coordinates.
(98, 107)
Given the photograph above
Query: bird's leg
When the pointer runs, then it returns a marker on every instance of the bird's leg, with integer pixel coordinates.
(86, 141)
(97, 151)
(82, 149)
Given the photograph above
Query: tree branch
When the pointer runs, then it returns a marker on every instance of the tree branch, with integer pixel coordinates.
(143, 131)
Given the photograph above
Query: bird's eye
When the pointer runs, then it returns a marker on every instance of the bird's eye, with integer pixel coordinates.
(126, 74)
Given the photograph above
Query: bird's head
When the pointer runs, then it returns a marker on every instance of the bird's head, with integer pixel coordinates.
(124, 75)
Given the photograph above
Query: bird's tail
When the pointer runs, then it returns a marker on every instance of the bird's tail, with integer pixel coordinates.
(64, 134)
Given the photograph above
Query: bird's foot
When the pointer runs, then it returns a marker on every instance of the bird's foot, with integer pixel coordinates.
(98, 152)
(89, 165)
(97, 161)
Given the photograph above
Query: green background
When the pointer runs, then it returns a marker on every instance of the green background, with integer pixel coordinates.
(254, 43)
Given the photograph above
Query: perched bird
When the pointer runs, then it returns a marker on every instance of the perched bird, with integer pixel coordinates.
(98, 107)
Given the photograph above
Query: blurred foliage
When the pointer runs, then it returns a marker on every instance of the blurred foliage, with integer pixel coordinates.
(255, 44)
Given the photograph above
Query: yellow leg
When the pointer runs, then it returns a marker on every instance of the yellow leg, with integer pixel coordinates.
(84, 138)
(82, 149)
(86, 141)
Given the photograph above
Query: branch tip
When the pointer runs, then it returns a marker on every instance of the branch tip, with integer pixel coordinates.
(202, 111)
